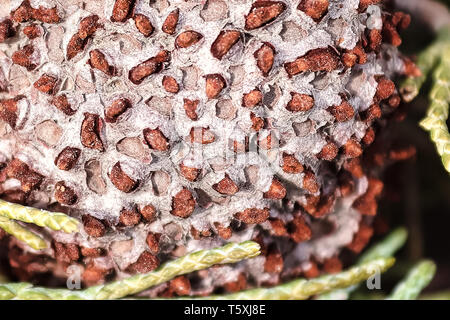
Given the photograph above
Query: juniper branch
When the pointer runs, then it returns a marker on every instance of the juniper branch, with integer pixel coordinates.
(22, 234)
(53, 220)
(416, 280)
(230, 253)
(383, 249)
(302, 289)
(437, 114)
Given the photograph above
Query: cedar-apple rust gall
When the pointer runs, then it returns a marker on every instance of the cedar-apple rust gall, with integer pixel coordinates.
(163, 127)
(230, 309)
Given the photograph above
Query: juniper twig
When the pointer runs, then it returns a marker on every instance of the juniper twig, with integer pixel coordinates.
(199, 260)
(230, 253)
(22, 234)
(384, 249)
(435, 59)
(53, 220)
(416, 280)
(437, 114)
(302, 289)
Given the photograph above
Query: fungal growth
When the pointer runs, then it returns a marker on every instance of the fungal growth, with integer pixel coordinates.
(168, 127)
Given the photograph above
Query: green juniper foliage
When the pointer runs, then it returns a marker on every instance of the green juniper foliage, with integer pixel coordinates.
(53, 220)
(435, 60)
(416, 280)
(21, 233)
(9, 212)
